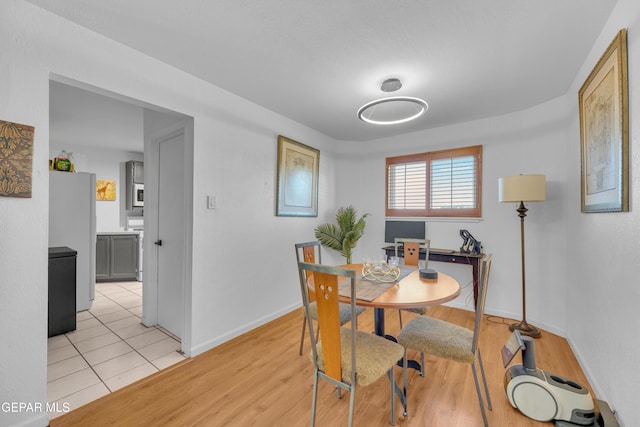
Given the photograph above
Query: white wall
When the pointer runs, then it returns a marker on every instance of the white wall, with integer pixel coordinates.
(603, 260)
(235, 158)
(240, 172)
(109, 165)
(522, 142)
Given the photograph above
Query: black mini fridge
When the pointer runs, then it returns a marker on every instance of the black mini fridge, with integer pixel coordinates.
(62, 290)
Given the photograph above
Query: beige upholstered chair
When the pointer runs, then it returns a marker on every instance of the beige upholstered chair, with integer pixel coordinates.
(310, 252)
(444, 339)
(411, 250)
(344, 356)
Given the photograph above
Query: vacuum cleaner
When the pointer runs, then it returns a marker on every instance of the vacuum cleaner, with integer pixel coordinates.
(543, 396)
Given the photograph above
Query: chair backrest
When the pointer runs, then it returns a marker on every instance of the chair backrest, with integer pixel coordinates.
(483, 281)
(323, 280)
(412, 250)
(309, 252)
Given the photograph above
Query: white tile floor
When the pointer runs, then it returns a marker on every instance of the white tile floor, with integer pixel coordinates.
(109, 349)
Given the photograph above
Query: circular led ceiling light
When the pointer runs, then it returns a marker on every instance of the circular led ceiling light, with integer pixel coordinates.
(392, 110)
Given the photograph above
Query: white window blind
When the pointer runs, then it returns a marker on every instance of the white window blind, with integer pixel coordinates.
(443, 183)
(453, 183)
(407, 183)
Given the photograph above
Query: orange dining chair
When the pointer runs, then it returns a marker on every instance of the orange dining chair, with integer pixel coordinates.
(344, 356)
(411, 250)
(450, 341)
(310, 252)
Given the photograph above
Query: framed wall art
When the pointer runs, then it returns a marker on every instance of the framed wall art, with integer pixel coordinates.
(105, 189)
(604, 132)
(16, 158)
(297, 176)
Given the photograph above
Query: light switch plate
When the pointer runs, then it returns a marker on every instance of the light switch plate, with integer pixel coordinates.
(211, 202)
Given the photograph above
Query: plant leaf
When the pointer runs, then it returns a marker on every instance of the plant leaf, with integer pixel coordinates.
(346, 218)
(330, 236)
(345, 236)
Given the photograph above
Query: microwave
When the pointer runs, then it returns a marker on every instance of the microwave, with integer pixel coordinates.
(138, 195)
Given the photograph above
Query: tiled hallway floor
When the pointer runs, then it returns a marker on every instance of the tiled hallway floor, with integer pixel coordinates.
(109, 349)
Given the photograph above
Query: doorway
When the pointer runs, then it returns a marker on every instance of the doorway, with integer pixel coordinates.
(85, 139)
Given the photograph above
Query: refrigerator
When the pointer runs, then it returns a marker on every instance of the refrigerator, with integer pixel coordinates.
(72, 223)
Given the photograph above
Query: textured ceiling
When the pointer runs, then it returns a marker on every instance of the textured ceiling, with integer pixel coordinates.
(317, 62)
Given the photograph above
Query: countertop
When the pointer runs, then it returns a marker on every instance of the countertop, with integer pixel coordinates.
(112, 233)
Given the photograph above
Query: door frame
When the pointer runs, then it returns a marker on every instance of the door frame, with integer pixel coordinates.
(151, 208)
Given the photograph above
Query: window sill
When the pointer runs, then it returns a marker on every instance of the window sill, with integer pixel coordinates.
(434, 219)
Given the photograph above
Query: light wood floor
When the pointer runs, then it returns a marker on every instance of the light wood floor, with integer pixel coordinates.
(258, 380)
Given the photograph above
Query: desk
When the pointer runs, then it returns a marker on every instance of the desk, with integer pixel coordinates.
(411, 292)
(445, 255)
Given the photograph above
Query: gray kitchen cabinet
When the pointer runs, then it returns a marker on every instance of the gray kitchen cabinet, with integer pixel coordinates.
(135, 171)
(134, 185)
(116, 257)
(103, 258)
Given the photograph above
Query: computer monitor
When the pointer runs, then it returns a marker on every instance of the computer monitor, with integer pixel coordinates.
(406, 229)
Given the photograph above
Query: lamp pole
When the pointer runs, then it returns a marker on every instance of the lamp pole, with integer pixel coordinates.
(520, 189)
(524, 327)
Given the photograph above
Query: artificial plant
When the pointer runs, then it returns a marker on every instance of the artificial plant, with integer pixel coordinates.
(344, 236)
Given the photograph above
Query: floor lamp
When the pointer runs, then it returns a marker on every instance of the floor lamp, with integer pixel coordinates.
(522, 188)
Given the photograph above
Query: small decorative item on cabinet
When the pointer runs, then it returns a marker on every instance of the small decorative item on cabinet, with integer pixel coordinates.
(63, 162)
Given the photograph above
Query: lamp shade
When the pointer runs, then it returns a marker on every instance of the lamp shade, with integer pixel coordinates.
(522, 188)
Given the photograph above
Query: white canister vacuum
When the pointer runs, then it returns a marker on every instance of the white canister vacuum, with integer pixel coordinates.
(543, 396)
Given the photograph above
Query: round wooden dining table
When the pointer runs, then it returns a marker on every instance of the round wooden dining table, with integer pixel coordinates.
(410, 292)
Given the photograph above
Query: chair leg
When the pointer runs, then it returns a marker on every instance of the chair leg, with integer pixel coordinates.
(400, 317)
(392, 381)
(304, 328)
(421, 364)
(475, 378)
(404, 378)
(313, 399)
(484, 379)
(352, 400)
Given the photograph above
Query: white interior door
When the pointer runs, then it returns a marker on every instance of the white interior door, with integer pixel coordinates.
(171, 239)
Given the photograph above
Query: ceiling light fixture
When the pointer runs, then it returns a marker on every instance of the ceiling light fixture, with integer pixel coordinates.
(391, 85)
(392, 110)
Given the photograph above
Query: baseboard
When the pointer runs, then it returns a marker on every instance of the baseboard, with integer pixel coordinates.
(508, 315)
(595, 386)
(234, 333)
(37, 420)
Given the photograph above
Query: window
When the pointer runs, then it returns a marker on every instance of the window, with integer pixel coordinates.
(445, 183)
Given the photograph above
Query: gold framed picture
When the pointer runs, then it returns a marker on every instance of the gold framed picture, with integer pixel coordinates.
(297, 186)
(604, 132)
